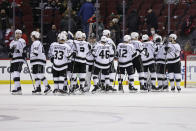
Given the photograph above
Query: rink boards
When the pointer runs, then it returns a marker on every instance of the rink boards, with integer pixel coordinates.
(25, 77)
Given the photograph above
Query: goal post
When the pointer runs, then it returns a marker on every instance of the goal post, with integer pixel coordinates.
(190, 71)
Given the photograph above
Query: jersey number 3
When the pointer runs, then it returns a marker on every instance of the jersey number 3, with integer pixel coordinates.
(58, 55)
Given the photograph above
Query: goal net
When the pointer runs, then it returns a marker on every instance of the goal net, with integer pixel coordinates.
(190, 71)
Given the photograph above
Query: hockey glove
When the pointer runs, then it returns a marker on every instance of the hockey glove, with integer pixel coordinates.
(166, 48)
(35, 54)
(10, 55)
(52, 60)
(74, 54)
(24, 55)
(12, 50)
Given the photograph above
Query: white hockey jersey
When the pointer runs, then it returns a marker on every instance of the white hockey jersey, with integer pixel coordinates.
(82, 49)
(137, 45)
(160, 54)
(37, 54)
(18, 46)
(125, 54)
(173, 54)
(61, 54)
(89, 57)
(70, 43)
(104, 55)
(148, 54)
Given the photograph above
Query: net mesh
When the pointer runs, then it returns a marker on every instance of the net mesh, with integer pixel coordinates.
(190, 71)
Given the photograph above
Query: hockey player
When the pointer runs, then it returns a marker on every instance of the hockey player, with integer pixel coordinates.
(103, 56)
(38, 62)
(137, 61)
(90, 60)
(107, 33)
(160, 56)
(82, 48)
(59, 54)
(148, 61)
(125, 54)
(173, 62)
(17, 60)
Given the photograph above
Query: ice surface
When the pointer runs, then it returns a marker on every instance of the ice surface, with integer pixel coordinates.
(99, 112)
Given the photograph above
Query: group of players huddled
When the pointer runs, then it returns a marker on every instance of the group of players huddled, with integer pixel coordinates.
(75, 59)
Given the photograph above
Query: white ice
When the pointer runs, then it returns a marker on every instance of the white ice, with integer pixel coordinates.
(99, 112)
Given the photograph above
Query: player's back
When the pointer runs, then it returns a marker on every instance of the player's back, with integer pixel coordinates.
(37, 53)
(82, 49)
(125, 53)
(102, 55)
(137, 45)
(173, 53)
(61, 53)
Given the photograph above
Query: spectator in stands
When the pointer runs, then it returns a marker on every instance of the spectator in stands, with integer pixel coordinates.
(151, 20)
(19, 12)
(4, 24)
(9, 36)
(114, 27)
(187, 26)
(64, 24)
(152, 33)
(86, 11)
(51, 37)
(133, 22)
(5, 5)
(100, 27)
(24, 35)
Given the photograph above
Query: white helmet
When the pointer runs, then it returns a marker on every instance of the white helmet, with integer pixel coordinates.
(104, 39)
(64, 32)
(62, 36)
(18, 31)
(156, 37)
(173, 36)
(84, 35)
(127, 38)
(134, 35)
(35, 34)
(78, 35)
(145, 37)
(106, 33)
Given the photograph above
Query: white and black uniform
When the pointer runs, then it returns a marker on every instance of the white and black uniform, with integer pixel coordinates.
(70, 60)
(174, 64)
(90, 64)
(38, 62)
(149, 61)
(103, 56)
(82, 48)
(16, 48)
(161, 65)
(112, 69)
(125, 54)
(137, 61)
(60, 54)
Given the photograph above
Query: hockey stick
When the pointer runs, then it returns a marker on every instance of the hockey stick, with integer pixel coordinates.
(30, 73)
(117, 70)
(10, 77)
(73, 66)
